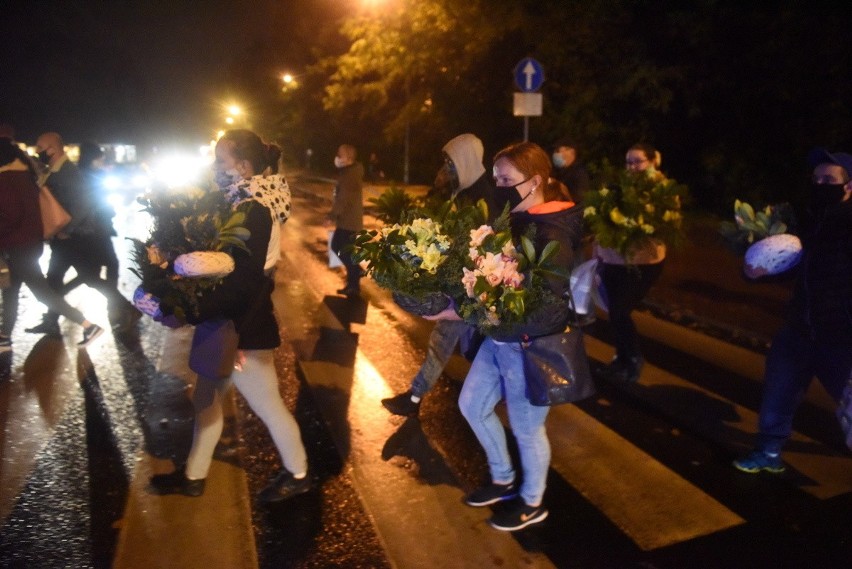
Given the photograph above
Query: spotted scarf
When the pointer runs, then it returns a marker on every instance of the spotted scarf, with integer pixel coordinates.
(270, 191)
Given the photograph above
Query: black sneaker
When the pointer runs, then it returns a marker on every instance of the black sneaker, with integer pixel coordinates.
(491, 494)
(402, 405)
(284, 486)
(90, 334)
(518, 516)
(47, 327)
(176, 483)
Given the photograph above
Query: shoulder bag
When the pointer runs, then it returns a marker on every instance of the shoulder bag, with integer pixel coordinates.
(215, 342)
(556, 367)
(53, 216)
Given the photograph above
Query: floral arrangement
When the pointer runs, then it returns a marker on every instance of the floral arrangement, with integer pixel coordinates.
(751, 225)
(421, 256)
(636, 208)
(502, 283)
(189, 224)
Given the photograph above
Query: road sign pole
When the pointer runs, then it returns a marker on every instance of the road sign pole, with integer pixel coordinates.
(526, 129)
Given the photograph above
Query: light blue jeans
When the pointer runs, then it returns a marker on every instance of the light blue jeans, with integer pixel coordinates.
(497, 372)
(445, 335)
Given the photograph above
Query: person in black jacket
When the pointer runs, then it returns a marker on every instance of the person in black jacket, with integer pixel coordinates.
(463, 178)
(244, 296)
(568, 169)
(522, 174)
(816, 339)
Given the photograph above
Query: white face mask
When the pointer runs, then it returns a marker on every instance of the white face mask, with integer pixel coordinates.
(339, 162)
(227, 178)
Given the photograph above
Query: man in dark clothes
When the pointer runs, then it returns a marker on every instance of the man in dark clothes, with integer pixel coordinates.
(569, 170)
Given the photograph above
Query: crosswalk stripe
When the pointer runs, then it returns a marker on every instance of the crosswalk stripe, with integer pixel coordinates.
(829, 474)
(629, 486)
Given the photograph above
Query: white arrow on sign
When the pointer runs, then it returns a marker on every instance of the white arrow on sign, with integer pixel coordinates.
(529, 72)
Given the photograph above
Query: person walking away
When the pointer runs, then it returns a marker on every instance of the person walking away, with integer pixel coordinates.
(21, 246)
(522, 173)
(816, 339)
(69, 248)
(100, 251)
(347, 215)
(463, 178)
(264, 196)
(627, 281)
(569, 170)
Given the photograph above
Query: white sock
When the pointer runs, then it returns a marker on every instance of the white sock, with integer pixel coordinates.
(415, 399)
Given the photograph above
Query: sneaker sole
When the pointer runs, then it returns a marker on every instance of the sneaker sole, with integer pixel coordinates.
(491, 501)
(533, 520)
(755, 470)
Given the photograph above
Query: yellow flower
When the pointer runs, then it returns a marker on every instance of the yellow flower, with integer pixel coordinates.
(649, 207)
(589, 211)
(671, 215)
(617, 217)
(649, 229)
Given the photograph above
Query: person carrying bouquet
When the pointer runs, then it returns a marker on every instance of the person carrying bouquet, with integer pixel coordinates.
(522, 176)
(627, 280)
(247, 170)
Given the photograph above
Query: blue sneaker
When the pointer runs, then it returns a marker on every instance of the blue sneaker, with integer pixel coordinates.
(758, 460)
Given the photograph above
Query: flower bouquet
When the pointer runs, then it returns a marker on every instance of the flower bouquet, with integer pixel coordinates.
(419, 258)
(635, 210)
(185, 254)
(503, 284)
(763, 235)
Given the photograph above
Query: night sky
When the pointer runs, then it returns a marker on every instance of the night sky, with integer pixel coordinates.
(151, 72)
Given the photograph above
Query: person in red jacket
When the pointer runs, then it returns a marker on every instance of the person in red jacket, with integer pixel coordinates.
(21, 245)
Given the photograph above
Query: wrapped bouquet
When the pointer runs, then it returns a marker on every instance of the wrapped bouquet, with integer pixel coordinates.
(186, 252)
(634, 210)
(502, 283)
(763, 234)
(420, 257)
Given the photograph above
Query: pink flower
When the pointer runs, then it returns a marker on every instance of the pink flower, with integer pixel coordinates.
(469, 281)
(477, 236)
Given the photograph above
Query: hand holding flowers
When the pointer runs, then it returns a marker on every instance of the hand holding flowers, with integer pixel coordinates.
(177, 263)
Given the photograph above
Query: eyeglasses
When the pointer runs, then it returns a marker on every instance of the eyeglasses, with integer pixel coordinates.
(635, 162)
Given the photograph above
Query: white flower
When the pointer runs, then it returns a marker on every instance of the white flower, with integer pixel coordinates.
(477, 236)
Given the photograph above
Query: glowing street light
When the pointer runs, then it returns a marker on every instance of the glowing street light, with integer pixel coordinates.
(229, 120)
(234, 110)
(287, 78)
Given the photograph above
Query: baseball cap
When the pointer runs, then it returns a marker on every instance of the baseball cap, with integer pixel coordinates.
(819, 156)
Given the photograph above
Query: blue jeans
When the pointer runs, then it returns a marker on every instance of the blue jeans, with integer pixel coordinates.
(497, 372)
(793, 360)
(445, 335)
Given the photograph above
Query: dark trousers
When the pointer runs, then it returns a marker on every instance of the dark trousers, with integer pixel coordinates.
(792, 362)
(341, 243)
(626, 286)
(24, 268)
(85, 254)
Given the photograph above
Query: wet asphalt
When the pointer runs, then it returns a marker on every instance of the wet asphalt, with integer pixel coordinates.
(75, 421)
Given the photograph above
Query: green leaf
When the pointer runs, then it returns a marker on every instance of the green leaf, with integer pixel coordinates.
(529, 249)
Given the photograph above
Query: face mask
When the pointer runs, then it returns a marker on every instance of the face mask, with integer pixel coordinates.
(45, 159)
(824, 196)
(558, 161)
(510, 195)
(447, 181)
(339, 162)
(227, 178)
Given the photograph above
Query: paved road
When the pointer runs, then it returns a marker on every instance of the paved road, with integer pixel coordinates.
(640, 475)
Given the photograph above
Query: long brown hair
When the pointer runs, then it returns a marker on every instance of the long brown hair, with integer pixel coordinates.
(530, 159)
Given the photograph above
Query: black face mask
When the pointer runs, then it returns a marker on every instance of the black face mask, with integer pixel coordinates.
(824, 196)
(45, 159)
(510, 195)
(447, 180)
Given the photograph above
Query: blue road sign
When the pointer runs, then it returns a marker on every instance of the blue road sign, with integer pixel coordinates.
(529, 75)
